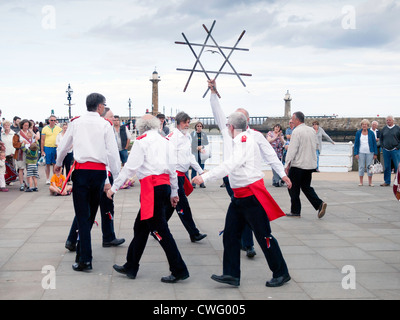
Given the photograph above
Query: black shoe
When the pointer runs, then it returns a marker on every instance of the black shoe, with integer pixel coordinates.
(194, 185)
(70, 246)
(198, 237)
(277, 282)
(123, 270)
(226, 279)
(28, 190)
(250, 252)
(116, 242)
(294, 215)
(202, 185)
(82, 266)
(172, 279)
(322, 209)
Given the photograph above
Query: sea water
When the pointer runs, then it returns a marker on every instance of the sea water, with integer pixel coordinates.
(336, 157)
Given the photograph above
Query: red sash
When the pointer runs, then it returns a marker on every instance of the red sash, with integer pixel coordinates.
(147, 194)
(258, 189)
(187, 186)
(90, 166)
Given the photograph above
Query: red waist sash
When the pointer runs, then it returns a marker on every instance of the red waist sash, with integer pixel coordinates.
(187, 186)
(147, 194)
(90, 166)
(258, 189)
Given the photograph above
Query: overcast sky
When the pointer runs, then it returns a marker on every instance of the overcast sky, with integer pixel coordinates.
(335, 57)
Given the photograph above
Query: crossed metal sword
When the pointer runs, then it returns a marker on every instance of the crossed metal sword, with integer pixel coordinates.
(209, 36)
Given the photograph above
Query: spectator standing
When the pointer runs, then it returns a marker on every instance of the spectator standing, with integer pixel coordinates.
(3, 171)
(365, 151)
(69, 158)
(199, 140)
(7, 138)
(320, 134)
(123, 137)
(15, 126)
(390, 142)
(164, 130)
(376, 131)
(275, 138)
(49, 147)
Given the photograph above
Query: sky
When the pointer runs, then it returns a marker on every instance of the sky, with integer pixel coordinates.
(336, 57)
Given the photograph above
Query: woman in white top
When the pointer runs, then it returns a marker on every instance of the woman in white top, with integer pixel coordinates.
(365, 151)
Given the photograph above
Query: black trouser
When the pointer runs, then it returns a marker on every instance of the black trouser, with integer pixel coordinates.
(183, 210)
(88, 187)
(247, 235)
(301, 180)
(107, 220)
(158, 227)
(249, 211)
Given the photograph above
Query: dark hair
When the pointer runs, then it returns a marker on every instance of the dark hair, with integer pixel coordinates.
(161, 116)
(93, 100)
(16, 118)
(21, 124)
(181, 117)
(300, 116)
(315, 122)
(278, 125)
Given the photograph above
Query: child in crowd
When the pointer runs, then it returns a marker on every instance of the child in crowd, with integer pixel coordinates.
(56, 183)
(32, 156)
(3, 171)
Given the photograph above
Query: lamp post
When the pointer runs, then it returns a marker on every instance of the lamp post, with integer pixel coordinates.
(69, 93)
(130, 108)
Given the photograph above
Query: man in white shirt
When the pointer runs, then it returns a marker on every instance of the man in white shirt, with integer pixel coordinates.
(301, 162)
(250, 204)
(95, 148)
(150, 159)
(184, 159)
(267, 152)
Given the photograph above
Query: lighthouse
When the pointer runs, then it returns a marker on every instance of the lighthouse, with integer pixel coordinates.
(155, 79)
(288, 111)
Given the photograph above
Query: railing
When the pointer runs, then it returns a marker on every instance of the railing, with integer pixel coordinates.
(209, 121)
(334, 158)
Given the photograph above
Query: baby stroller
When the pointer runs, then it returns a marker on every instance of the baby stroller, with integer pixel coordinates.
(11, 175)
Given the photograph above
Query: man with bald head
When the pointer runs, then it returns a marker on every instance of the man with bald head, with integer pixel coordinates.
(150, 159)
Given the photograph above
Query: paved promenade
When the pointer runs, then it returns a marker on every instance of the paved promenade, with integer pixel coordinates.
(361, 229)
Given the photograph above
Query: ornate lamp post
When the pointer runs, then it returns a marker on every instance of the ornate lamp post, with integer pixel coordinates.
(69, 93)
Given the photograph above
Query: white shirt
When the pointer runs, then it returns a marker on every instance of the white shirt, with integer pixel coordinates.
(268, 154)
(93, 140)
(150, 155)
(243, 167)
(184, 158)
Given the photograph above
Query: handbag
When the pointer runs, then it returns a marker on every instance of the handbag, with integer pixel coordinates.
(205, 153)
(376, 167)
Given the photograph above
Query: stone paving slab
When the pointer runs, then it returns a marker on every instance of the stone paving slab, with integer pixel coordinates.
(361, 229)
